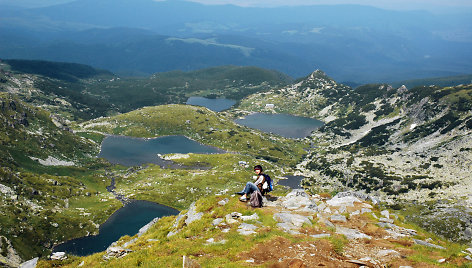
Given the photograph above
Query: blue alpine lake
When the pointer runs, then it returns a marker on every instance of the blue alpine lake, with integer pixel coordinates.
(294, 182)
(216, 105)
(285, 125)
(129, 151)
(125, 221)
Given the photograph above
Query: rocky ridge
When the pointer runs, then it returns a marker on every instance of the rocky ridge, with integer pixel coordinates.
(403, 145)
(297, 230)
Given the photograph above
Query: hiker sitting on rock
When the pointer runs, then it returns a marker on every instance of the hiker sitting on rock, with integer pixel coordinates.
(253, 186)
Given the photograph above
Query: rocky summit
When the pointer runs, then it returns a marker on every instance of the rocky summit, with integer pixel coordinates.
(294, 230)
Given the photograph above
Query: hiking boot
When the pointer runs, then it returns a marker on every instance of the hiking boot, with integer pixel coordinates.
(240, 193)
(243, 199)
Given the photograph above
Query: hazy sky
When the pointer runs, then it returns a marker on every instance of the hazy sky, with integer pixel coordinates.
(388, 4)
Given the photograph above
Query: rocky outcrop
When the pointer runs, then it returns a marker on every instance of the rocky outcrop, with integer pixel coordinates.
(8, 255)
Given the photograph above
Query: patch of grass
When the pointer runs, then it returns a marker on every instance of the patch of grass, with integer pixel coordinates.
(338, 243)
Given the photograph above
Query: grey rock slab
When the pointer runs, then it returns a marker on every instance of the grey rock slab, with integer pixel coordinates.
(249, 218)
(247, 229)
(354, 213)
(366, 210)
(229, 219)
(30, 264)
(388, 252)
(58, 256)
(146, 227)
(192, 214)
(223, 202)
(339, 218)
(427, 244)
(329, 224)
(310, 208)
(295, 219)
(321, 206)
(288, 227)
(217, 221)
(351, 233)
(129, 243)
(177, 220)
(296, 199)
(385, 213)
(172, 233)
(386, 220)
(346, 201)
(320, 235)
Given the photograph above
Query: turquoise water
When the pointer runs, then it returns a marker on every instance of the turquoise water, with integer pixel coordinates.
(216, 105)
(125, 221)
(130, 151)
(285, 125)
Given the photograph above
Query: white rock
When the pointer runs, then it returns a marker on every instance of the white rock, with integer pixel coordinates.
(338, 217)
(365, 210)
(385, 213)
(351, 233)
(217, 221)
(347, 201)
(354, 213)
(58, 256)
(30, 264)
(386, 220)
(223, 202)
(388, 252)
(252, 217)
(320, 235)
(441, 260)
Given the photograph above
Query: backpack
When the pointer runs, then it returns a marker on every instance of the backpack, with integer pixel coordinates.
(256, 199)
(270, 185)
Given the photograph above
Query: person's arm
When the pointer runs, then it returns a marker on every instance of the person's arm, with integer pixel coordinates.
(260, 180)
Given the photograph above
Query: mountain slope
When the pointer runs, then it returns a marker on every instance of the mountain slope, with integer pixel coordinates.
(46, 173)
(402, 145)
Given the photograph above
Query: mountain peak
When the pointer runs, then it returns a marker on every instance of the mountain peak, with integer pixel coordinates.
(319, 74)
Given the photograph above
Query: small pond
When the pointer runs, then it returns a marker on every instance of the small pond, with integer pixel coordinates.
(129, 151)
(285, 125)
(216, 105)
(294, 182)
(125, 221)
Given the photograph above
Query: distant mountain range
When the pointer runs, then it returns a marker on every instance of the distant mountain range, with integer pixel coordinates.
(352, 43)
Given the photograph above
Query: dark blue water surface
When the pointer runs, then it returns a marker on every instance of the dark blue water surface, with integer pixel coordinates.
(285, 125)
(216, 105)
(125, 221)
(130, 151)
(294, 182)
